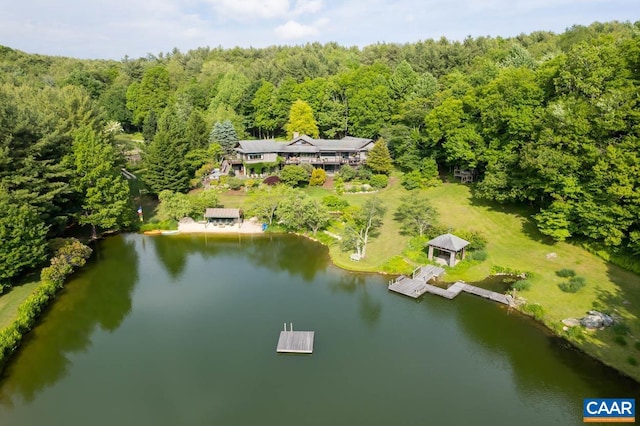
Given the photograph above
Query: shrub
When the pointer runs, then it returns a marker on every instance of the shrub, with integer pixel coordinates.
(497, 269)
(566, 273)
(71, 252)
(271, 180)
(476, 239)
(307, 168)
(533, 309)
(620, 340)
(575, 333)
(347, 173)
(379, 181)
(318, 177)
(235, 183)
(335, 203)
(364, 174)
(573, 285)
(338, 185)
(620, 328)
(477, 255)
(521, 285)
(294, 175)
(632, 361)
(637, 345)
(412, 180)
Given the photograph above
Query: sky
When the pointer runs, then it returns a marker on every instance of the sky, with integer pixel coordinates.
(113, 29)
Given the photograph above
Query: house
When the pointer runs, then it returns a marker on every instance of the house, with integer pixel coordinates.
(328, 154)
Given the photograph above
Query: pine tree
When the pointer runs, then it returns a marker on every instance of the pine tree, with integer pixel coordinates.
(196, 132)
(224, 134)
(379, 159)
(105, 194)
(22, 234)
(150, 126)
(301, 120)
(165, 165)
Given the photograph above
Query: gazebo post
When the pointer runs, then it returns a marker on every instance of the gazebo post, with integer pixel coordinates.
(452, 258)
(463, 252)
(430, 252)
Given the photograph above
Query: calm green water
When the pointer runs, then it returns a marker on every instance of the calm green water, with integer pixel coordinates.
(182, 331)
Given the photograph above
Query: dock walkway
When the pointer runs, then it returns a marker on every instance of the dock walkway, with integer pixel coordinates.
(417, 285)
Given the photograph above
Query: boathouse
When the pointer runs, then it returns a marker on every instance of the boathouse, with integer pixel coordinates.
(223, 217)
(448, 245)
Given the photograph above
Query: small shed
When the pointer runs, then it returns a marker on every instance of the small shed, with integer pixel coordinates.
(450, 244)
(222, 217)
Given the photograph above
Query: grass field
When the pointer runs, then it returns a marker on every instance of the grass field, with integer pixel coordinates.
(9, 302)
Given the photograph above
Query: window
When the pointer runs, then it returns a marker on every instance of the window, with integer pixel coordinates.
(255, 156)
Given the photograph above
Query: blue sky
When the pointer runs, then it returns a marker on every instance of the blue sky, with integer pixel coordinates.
(115, 28)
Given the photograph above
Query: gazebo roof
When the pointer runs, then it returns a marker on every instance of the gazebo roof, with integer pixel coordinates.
(449, 242)
(222, 213)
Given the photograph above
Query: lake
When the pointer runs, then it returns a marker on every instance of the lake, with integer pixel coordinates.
(182, 330)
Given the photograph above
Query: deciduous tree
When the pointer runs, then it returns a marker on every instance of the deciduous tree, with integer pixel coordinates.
(416, 215)
(379, 159)
(301, 120)
(361, 224)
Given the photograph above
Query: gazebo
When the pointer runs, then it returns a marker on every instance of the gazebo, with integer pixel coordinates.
(448, 243)
(222, 217)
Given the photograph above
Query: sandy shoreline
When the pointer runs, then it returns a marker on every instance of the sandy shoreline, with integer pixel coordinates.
(247, 227)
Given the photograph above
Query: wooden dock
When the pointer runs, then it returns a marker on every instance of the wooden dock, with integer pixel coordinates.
(417, 285)
(300, 342)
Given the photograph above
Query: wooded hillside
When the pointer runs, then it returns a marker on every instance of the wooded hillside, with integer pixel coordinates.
(549, 120)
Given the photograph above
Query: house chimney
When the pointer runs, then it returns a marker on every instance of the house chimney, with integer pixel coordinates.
(296, 135)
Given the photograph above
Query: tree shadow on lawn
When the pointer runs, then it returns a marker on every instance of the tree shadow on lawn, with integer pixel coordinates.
(529, 227)
(625, 298)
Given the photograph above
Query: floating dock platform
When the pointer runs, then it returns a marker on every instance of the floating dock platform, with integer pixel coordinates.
(299, 342)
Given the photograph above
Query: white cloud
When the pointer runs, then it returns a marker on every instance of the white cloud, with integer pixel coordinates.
(293, 30)
(251, 9)
(304, 7)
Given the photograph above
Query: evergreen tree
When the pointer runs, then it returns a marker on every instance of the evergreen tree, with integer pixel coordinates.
(379, 159)
(301, 120)
(150, 126)
(164, 160)
(23, 234)
(196, 132)
(105, 194)
(224, 134)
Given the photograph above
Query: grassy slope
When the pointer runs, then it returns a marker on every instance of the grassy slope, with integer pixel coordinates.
(9, 302)
(514, 242)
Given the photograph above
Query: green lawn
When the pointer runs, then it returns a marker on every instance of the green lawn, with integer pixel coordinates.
(9, 302)
(514, 242)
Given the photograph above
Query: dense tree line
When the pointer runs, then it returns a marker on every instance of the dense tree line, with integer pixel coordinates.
(546, 119)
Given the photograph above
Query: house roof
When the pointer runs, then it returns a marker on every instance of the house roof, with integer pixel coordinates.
(449, 242)
(222, 213)
(304, 143)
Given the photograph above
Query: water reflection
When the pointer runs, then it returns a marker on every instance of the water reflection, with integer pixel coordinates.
(299, 257)
(370, 309)
(97, 295)
(533, 363)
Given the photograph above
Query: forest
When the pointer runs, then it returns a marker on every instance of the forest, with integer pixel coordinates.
(549, 120)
